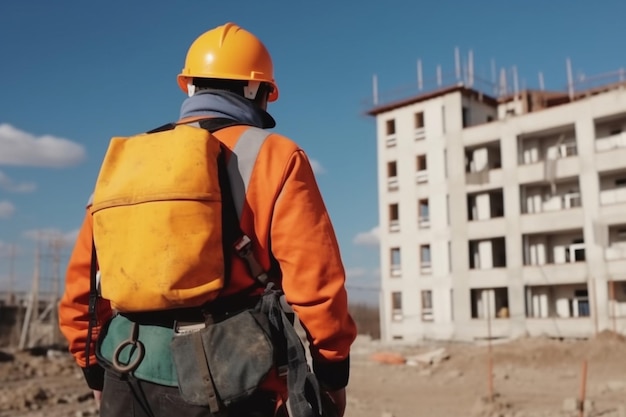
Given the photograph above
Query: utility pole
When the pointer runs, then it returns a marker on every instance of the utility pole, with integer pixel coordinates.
(57, 246)
(11, 295)
(33, 302)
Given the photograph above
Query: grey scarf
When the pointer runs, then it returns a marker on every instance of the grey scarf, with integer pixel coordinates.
(219, 103)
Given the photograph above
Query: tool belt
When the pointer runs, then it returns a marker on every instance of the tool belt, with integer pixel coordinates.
(217, 361)
(139, 343)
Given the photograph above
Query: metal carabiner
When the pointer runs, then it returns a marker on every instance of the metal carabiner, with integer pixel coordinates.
(131, 341)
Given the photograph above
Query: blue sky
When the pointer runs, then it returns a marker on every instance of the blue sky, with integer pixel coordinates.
(75, 73)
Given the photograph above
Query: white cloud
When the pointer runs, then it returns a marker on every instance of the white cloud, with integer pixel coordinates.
(24, 149)
(369, 238)
(6, 209)
(317, 167)
(8, 184)
(49, 234)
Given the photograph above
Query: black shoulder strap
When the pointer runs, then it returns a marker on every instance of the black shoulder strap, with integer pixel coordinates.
(93, 301)
(212, 124)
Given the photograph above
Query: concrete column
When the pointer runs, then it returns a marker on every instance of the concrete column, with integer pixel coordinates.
(594, 251)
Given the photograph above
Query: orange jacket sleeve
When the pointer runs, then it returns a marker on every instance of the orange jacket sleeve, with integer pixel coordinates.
(304, 244)
(74, 305)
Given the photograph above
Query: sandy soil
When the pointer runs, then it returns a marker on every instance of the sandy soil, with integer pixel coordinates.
(532, 378)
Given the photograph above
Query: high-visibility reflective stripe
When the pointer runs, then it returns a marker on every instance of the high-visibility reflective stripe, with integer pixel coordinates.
(242, 162)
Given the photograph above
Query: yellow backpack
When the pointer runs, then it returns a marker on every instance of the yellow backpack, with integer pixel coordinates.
(157, 219)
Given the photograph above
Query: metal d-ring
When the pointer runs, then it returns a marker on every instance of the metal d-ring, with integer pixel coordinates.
(131, 341)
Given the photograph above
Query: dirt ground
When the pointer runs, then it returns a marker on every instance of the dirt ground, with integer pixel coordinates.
(532, 378)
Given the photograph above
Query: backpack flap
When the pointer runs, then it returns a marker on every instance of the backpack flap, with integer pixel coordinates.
(157, 220)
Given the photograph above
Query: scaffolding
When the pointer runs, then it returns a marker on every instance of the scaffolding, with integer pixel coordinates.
(35, 309)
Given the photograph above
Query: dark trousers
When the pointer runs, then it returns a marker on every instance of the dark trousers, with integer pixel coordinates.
(128, 396)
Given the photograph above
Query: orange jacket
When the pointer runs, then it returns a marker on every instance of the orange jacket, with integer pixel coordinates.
(286, 218)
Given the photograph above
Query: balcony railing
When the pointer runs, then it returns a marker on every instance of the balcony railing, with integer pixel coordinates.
(611, 142)
(612, 196)
(421, 176)
(615, 251)
(396, 270)
(394, 226)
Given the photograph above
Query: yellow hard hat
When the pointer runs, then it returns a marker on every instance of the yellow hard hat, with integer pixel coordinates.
(228, 52)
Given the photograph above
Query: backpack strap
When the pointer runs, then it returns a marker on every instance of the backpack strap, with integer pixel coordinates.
(234, 184)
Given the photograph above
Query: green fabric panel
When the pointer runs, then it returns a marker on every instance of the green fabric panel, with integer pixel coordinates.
(157, 365)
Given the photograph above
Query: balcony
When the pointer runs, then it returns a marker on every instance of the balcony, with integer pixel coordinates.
(485, 229)
(546, 207)
(553, 144)
(392, 184)
(552, 220)
(613, 196)
(391, 141)
(480, 162)
(554, 258)
(615, 252)
(485, 205)
(487, 253)
(548, 170)
(562, 273)
(611, 142)
(558, 301)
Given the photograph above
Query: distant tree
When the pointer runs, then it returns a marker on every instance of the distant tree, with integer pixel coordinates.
(367, 319)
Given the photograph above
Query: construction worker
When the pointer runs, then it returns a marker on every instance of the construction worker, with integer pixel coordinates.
(228, 74)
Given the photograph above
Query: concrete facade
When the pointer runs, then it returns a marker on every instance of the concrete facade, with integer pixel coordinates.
(499, 221)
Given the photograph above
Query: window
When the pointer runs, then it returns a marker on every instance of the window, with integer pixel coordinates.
(427, 305)
(580, 304)
(620, 182)
(421, 175)
(419, 120)
(425, 258)
(396, 305)
(568, 149)
(419, 126)
(489, 303)
(421, 162)
(396, 269)
(423, 219)
(576, 251)
(489, 119)
(391, 127)
(392, 176)
(615, 131)
(394, 217)
(465, 116)
(391, 133)
(621, 235)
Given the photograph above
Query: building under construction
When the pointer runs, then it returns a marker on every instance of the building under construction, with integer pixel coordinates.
(502, 209)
